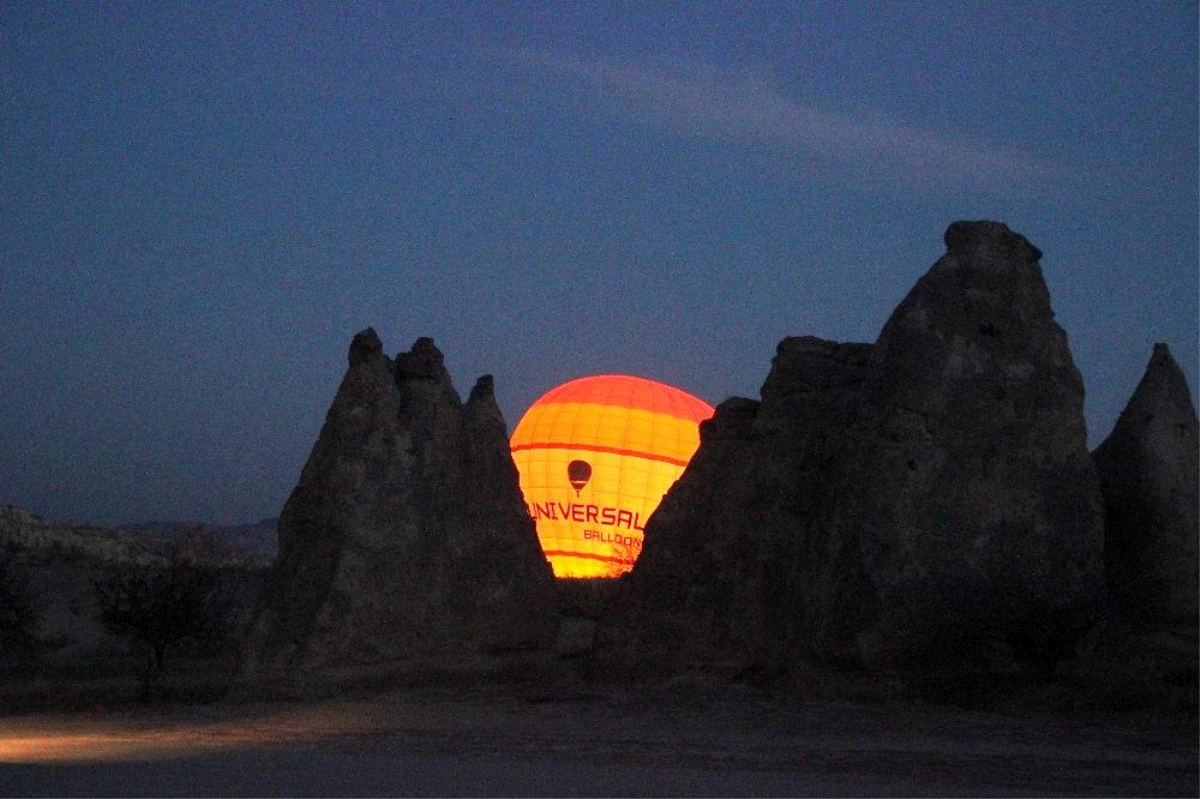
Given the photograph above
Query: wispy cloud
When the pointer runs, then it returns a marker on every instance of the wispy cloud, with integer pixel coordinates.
(745, 110)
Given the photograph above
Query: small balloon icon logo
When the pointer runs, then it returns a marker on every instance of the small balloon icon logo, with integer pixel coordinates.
(579, 472)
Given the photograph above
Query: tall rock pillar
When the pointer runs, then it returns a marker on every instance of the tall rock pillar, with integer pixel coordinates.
(967, 489)
(407, 534)
(1151, 486)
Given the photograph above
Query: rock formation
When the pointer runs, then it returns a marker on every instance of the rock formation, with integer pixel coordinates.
(974, 503)
(56, 564)
(407, 534)
(24, 532)
(154, 545)
(1151, 486)
(924, 504)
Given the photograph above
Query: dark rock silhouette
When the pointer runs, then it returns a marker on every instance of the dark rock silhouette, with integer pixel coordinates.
(924, 505)
(407, 534)
(972, 499)
(1151, 485)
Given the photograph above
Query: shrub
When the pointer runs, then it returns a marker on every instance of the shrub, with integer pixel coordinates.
(18, 614)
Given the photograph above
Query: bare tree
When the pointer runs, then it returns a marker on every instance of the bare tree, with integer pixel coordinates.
(18, 614)
(160, 608)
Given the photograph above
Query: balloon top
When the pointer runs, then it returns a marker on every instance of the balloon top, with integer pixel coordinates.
(630, 392)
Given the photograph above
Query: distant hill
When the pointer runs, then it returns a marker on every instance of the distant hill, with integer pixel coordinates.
(256, 537)
(55, 564)
(153, 544)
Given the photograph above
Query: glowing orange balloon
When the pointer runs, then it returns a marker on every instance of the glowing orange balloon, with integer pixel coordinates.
(595, 457)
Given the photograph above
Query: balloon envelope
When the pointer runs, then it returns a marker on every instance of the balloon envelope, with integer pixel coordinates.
(595, 456)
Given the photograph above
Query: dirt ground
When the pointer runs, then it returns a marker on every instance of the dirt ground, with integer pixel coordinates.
(462, 742)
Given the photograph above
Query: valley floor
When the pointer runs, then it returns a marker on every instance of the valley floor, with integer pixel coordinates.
(469, 742)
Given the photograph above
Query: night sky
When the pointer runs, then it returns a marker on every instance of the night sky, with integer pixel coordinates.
(201, 203)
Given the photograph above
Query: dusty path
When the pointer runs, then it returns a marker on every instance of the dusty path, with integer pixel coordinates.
(430, 743)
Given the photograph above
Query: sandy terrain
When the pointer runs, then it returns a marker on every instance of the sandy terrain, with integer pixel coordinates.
(432, 742)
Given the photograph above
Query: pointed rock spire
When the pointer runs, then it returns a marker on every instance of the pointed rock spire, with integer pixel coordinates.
(1151, 484)
(407, 535)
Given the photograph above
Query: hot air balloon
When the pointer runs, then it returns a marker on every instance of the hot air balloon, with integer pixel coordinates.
(595, 457)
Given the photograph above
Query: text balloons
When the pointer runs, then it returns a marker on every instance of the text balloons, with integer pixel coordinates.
(595, 457)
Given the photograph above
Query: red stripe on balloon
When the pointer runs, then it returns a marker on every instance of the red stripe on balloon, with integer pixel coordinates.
(609, 450)
(562, 553)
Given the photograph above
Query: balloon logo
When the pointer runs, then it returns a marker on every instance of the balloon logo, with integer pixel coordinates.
(627, 440)
(579, 472)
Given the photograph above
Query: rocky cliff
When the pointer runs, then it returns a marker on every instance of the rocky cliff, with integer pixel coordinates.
(922, 505)
(56, 563)
(154, 545)
(407, 534)
(1151, 484)
(33, 536)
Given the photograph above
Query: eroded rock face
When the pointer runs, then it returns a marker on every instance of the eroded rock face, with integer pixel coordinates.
(1151, 485)
(969, 494)
(696, 593)
(407, 534)
(713, 584)
(152, 545)
(923, 503)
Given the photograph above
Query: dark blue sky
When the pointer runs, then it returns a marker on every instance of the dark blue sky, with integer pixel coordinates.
(201, 203)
